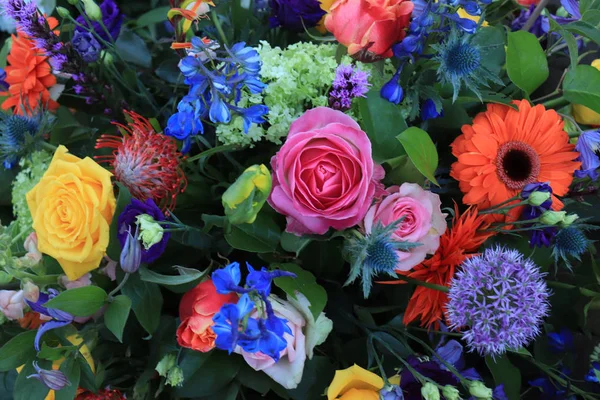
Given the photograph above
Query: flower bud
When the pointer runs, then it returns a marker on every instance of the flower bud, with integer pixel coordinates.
(429, 391)
(131, 255)
(569, 219)
(553, 217)
(450, 393)
(63, 12)
(31, 291)
(52, 379)
(538, 198)
(392, 91)
(73, 2)
(391, 392)
(107, 58)
(151, 232)
(480, 391)
(92, 10)
(243, 200)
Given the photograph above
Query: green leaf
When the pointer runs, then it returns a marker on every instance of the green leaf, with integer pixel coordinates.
(294, 243)
(146, 301)
(87, 378)
(4, 52)
(526, 62)
(186, 275)
(55, 353)
(70, 367)
(382, 121)
(521, 350)
(133, 49)
(213, 375)
(318, 373)
(261, 236)
(116, 315)
(29, 389)
(304, 283)
(169, 71)
(505, 373)
(569, 39)
(582, 86)
(193, 237)
(156, 16)
(114, 246)
(421, 151)
(80, 302)
(584, 29)
(17, 350)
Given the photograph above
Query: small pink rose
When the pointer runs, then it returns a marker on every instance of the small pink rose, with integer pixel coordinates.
(324, 176)
(12, 304)
(423, 221)
(31, 245)
(110, 269)
(85, 280)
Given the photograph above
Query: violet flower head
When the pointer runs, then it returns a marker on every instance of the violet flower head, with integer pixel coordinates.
(51, 378)
(502, 297)
(349, 82)
(540, 27)
(588, 146)
(295, 14)
(112, 18)
(127, 224)
(87, 46)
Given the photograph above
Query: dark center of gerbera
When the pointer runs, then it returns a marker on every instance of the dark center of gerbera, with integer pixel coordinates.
(517, 164)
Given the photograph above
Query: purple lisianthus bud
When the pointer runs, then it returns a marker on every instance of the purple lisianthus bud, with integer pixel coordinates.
(391, 392)
(52, 379)
(131, 255)
(111, 18)
(295, 14)
(87, 46)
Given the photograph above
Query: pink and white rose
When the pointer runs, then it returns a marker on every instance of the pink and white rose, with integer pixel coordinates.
(12, 304)
(423, 221)
(324, 175)
(307, 333)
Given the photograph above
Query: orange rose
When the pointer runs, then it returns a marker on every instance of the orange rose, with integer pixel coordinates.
(196, 311)
(369, 28)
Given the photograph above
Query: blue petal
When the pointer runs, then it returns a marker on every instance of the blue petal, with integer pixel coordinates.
(45, 327)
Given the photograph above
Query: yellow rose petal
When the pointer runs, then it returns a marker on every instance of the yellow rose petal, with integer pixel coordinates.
(354, 377)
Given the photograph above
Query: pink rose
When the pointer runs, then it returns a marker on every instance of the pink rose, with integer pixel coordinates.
(324, 176)
(85, 280)
(423, 221)
(12, 304)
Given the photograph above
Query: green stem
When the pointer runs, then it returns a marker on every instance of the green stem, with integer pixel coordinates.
(38, 280)
(583, 291)
(215, 18)
(556, 103)
(424, 284)
(415, 328)
(48, 146)
(211, 151)
(379, 363)
(119, 287)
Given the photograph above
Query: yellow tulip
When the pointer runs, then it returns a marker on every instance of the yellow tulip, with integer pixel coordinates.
(584, 115)
(243, 200)
(354, 383)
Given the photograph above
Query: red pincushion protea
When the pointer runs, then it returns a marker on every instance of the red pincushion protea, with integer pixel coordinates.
(146, 162)
(105, 394)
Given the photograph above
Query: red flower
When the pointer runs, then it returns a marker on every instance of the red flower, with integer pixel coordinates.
(196, 311)
(104, 394)
(146, 162)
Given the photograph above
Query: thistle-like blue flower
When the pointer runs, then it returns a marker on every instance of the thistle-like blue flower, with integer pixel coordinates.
(374, 254)
(502, 297)
(588, 146)
(461, 64)
(570, 243)
(19, 135)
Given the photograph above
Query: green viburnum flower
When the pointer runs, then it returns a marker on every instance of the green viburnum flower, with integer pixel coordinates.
(165, 364)
(429, 391)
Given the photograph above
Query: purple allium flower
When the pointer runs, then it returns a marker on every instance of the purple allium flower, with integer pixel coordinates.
(291, 14)
(87, 46)
(540, 27)
(502, 297)
(127, 223)
(349, 82)
(588, 146)
(111, 18)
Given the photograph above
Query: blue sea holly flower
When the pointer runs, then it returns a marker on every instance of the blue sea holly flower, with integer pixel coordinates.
(569, 243)
(227, 280)
(560, 342)
(588, 146)
(461, 64)
(19, 135)
(59, 318)
(392, 91)
(53, 379)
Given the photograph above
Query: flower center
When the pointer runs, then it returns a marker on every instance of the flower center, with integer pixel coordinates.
(463, 59)
(517, 164)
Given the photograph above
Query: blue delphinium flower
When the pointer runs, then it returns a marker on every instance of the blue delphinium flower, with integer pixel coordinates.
(560, 342)
(542, 236)
(59, 318)
(51, 378)
(461, 64)
(594, 374)
(430, 111)
(502, 297)
(374, 254)
(19, 135)
(214, 92)
(87, 46)
(295, 14)
(349, 83)
(392, 91)
(253, 328)
(569, 243)
(588, 146)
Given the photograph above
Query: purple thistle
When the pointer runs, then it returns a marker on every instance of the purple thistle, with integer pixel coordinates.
(502, 297)
(349, 82)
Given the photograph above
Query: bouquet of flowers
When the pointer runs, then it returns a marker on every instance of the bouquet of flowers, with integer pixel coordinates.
(299, 199)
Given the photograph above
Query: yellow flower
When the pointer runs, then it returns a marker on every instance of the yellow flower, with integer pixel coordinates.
(325, 6)
(584, 115)
(243, 200)
(76, 340)
(463, 14)
(354, 383)
(72, 207)
(191, 10)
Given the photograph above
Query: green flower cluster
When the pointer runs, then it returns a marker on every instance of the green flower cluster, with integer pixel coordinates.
(32, 170)
(299, 78)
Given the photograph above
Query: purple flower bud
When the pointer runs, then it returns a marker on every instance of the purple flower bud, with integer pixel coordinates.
(392, 91)
(131, 255)
(52, 379)
(87, 46)
(391, 392)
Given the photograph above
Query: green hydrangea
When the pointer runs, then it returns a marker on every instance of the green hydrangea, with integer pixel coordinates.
(32, 169)
(299, 78)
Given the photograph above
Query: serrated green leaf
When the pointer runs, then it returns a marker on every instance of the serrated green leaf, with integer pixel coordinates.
(304, 283)
(421, 150)
(526, 62)
(80, 302)
(116, 315)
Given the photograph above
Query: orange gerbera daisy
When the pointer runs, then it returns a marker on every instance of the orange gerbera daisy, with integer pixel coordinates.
(505, 149)
(29, 76)
(456, 245)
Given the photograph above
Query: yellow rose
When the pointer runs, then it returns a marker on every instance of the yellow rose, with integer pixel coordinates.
(72, 207)
(354, 383)
(584, 115)
(463, 14)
